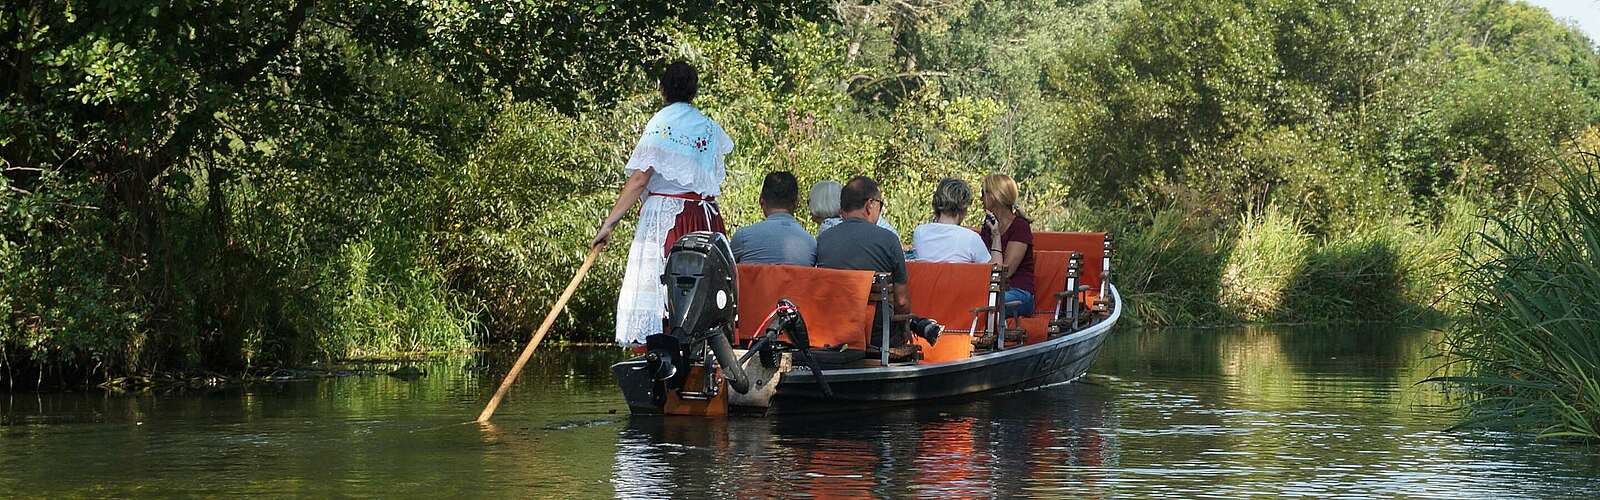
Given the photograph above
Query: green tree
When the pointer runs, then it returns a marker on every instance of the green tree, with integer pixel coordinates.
(184, 151)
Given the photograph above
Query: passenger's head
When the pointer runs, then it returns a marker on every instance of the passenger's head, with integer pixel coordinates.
(1000, 194)
(679, 83)
(952, 197)
(824, 200)
(779, 193)
(861, 198)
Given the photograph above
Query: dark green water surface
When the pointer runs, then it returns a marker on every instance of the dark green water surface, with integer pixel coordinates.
(1252, 412)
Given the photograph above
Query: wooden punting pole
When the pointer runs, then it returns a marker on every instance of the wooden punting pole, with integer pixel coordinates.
(527, 352)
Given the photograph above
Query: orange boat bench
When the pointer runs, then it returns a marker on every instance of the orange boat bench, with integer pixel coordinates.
(839, 305)
(836, 304)
(951, 294)
(1051, 253)
(1091, 245)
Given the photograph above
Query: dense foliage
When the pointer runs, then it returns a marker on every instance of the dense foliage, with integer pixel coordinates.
(214, 185)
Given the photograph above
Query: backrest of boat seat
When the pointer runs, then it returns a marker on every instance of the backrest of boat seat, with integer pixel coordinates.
(949, 347)
(948, 292)
(833, 302)
(1049, 278)
(1091, 245)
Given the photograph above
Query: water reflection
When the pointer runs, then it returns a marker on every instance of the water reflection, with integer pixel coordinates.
(1234, 413)
(999, 446)
(1250, 412)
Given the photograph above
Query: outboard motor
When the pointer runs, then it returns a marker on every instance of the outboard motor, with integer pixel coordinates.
(702, 305)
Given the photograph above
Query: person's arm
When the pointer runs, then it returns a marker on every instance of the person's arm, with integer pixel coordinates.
(1013, 256)
(989, 257)
(902, 298)
(631, 190)
(996, 253)
(902, 291)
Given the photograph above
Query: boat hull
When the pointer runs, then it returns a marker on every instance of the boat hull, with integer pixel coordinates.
(1059, 360)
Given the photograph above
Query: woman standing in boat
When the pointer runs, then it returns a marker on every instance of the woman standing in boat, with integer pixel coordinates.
(677, 169)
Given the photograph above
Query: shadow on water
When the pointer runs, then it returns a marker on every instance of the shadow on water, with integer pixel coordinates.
(1245, 412)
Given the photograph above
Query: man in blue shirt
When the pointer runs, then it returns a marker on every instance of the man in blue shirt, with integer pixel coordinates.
(779, 239)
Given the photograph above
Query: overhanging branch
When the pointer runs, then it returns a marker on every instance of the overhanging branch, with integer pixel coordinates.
(209, 102)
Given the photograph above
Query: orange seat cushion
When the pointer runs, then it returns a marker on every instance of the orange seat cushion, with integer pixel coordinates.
(1037, 328)
(946, 292)
(833, 302)
(1049, 278)
(950, 347)
(1091, 245)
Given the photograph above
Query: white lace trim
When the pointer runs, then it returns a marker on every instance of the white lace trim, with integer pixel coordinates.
(642, 302)
(678, 168)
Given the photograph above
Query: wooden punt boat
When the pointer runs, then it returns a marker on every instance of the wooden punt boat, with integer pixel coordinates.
(1065, 358)
(812, 329)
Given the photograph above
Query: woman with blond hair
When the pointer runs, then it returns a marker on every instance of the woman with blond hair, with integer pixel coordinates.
(1009, 236)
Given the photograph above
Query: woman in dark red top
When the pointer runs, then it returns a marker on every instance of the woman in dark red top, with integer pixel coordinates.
(1009, 236)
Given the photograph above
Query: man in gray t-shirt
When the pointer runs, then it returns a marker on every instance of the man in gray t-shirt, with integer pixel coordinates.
(862, 246)
(859, 244)
(779, 239)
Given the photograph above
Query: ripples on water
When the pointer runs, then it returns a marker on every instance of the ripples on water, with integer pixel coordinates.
(1254, 412)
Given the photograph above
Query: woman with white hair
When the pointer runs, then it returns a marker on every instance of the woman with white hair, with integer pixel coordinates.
(824, 203)
(944, 239)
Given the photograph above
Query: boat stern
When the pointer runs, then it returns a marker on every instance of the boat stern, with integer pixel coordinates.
(645, 395)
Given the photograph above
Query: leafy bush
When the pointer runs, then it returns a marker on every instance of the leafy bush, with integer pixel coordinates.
(513, 223)
(1354, 278)
(57, 284)
(345, 181)
(376, 301)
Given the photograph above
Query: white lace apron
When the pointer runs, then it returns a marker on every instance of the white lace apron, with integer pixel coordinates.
(683, 151)
(642, 301)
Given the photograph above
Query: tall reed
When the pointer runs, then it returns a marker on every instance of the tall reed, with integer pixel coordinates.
(1270, 253)
(1527, 346)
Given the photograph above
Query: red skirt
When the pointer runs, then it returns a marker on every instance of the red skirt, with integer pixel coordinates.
(699, 214)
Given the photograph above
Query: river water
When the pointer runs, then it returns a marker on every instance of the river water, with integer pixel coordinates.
(1244, 412)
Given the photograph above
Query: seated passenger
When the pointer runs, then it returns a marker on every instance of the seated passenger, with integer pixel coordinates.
(779, 239)
(1009, 233)
(944, 240)
(824, 203)
(857, 243)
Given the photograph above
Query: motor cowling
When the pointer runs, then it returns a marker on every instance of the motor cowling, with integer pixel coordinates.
(702, 286)
(701, 281)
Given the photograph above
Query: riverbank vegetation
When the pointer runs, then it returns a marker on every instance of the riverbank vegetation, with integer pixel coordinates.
(247, 184)
(1526, 348)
